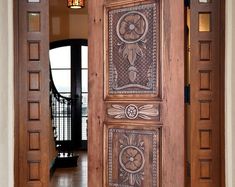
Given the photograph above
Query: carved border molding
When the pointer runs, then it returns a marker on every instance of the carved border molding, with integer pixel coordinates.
(132, 156)
(133, 111)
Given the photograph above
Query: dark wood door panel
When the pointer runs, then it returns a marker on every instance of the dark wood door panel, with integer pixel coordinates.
(138, 83)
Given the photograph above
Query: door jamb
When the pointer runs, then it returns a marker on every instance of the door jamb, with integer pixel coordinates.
(16, 91)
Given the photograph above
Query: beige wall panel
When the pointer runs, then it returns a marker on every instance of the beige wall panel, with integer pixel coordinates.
(67, 23)
(229, 94)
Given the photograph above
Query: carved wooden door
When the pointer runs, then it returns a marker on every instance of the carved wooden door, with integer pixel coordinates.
(136, 99)
(32, 93)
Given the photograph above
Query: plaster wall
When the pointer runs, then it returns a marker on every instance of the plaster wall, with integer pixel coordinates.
(67, 23)
(230, 94)
(73, 26)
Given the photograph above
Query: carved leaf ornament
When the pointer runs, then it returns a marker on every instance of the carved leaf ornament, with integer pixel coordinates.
(132, 111)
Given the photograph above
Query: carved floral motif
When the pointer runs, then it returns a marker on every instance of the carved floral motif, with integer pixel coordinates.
(132, 111)
(133, 49)
(132, 27)
(131, 30)
(131, 159)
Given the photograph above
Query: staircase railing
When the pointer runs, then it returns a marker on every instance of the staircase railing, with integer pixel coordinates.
(60, 114)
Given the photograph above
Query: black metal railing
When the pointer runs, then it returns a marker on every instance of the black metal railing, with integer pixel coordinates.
(60, 114)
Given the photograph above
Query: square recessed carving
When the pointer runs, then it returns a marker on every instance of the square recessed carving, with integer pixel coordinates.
(34, 50)
(34, 81)
(205, 139)
(34, 140)
(133, 157)
(205, 79)
(204, 21)
(205, 50)
(133, 53)
(33, 110)
(34, 21)
(205, 169)
(205, 110)
(34, 170)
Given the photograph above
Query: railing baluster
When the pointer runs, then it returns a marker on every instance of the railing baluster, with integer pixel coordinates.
(61, 114)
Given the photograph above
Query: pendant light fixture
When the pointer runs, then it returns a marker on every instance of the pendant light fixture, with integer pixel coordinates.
(76, 3)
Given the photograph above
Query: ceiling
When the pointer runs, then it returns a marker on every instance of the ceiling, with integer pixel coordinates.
(60, 7)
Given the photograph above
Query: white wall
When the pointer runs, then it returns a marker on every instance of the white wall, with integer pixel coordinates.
(230, 94)
(6, 94)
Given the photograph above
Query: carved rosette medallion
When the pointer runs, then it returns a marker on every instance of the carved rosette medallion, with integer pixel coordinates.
(133, 155)
(132, 27)
(134, 49)
(131, 159)
(131, 111)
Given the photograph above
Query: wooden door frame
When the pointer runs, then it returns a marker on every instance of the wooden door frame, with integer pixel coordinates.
(16, 92)
(222, 95)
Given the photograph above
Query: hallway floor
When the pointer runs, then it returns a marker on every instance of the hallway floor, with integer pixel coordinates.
(72, 177)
